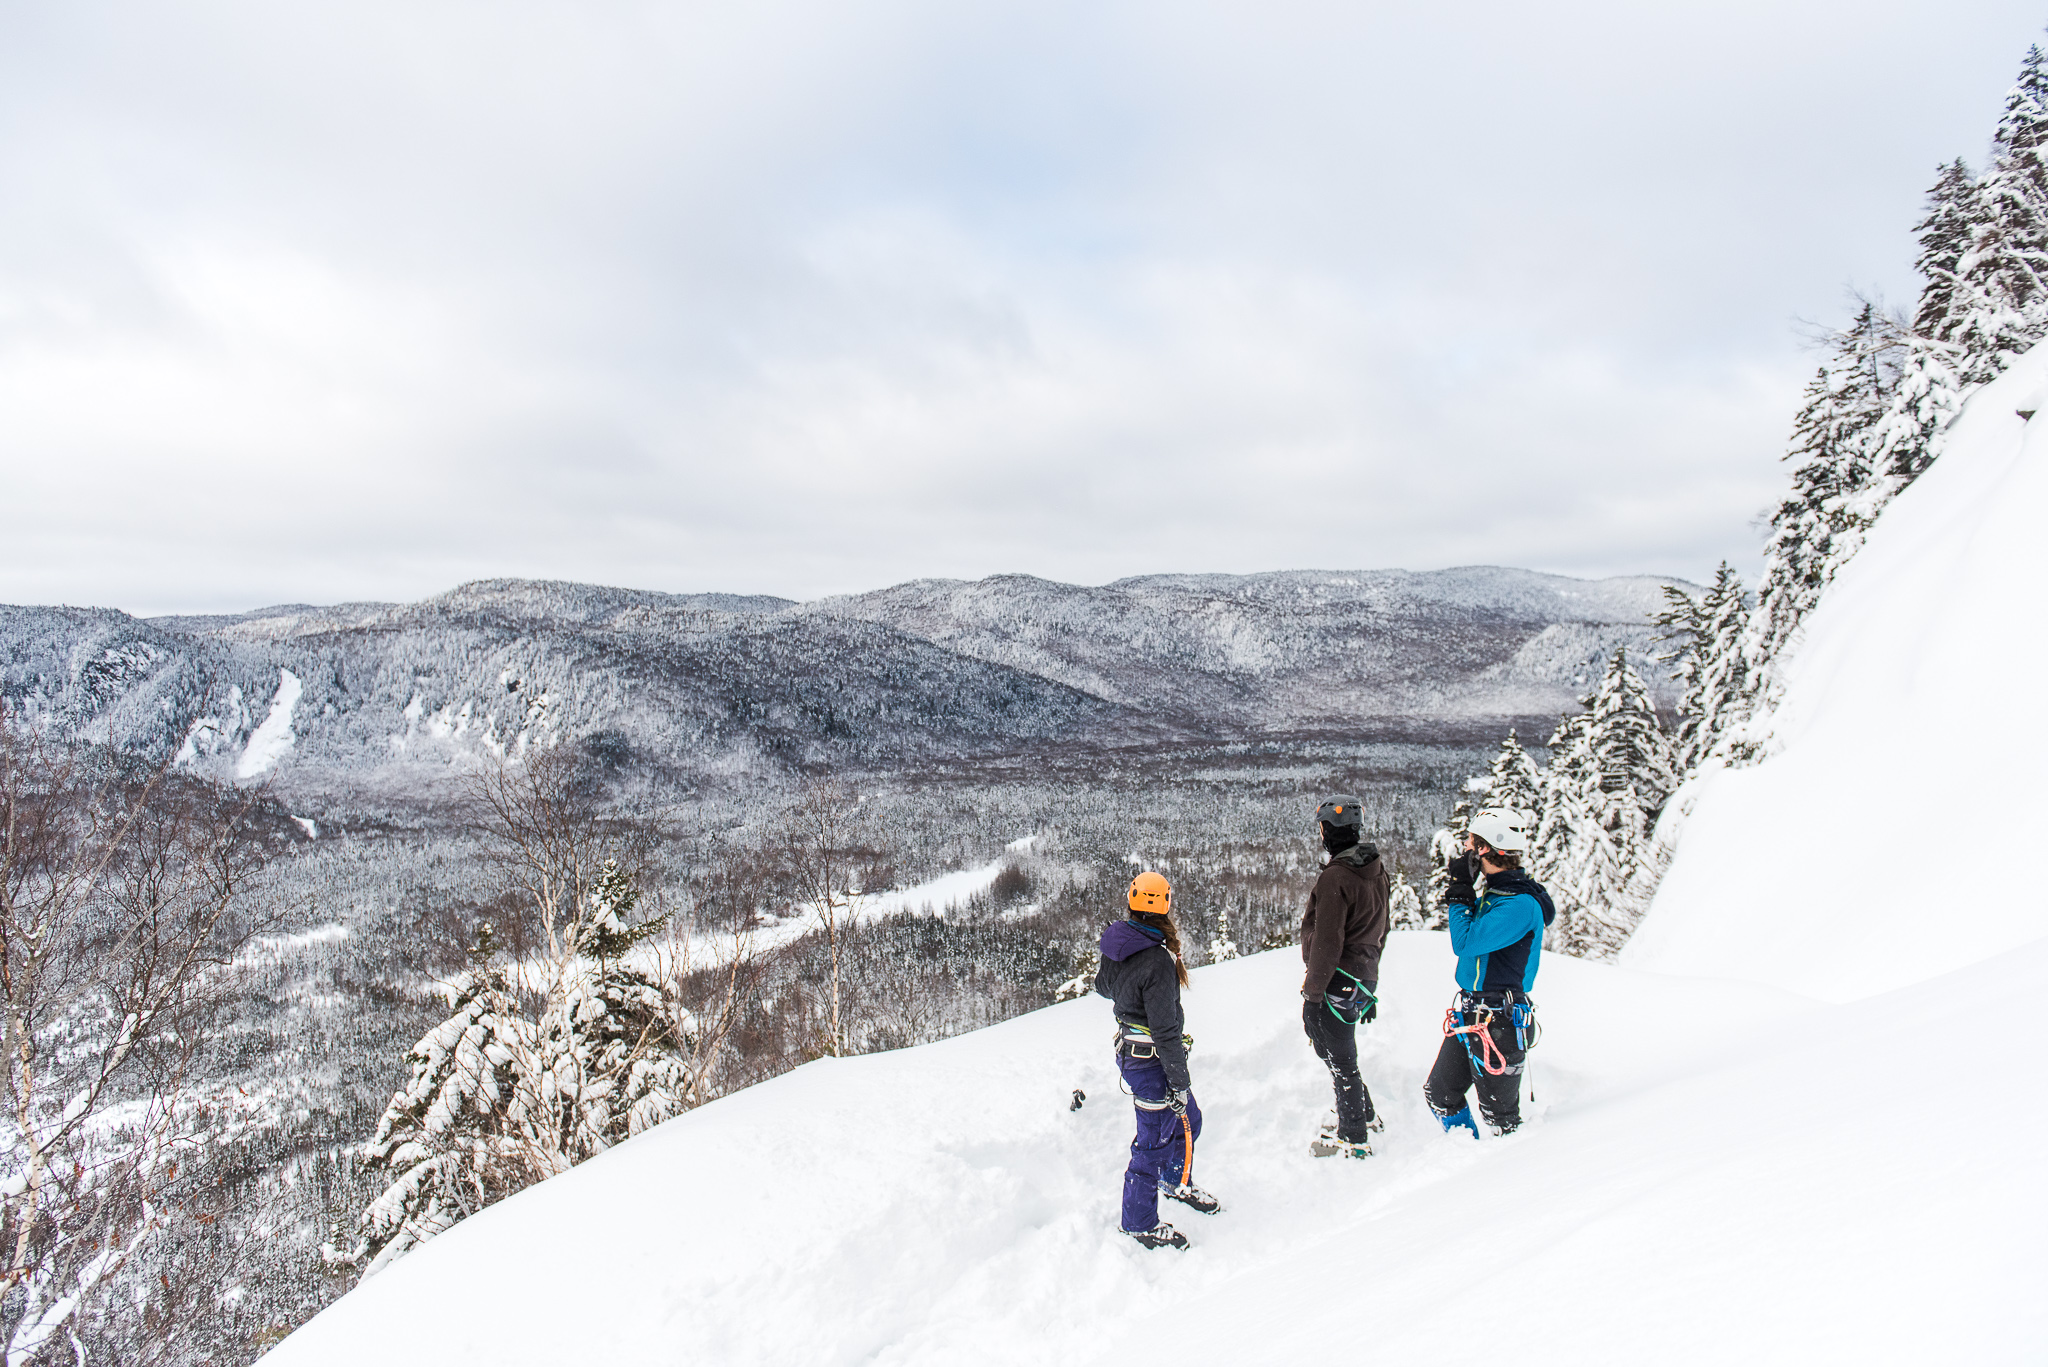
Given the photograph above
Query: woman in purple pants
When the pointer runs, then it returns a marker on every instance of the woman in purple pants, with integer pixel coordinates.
(1142, 974)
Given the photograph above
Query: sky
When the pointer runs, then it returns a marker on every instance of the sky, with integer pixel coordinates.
(346, 302)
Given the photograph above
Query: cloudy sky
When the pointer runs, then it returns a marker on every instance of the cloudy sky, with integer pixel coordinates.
(321, 302)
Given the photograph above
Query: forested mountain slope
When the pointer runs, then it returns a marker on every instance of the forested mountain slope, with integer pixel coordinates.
(371, 701)
(1292, 648)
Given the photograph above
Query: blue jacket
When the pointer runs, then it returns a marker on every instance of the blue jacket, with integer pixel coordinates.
(1500, 941)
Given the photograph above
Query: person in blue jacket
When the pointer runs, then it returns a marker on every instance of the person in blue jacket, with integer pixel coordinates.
(1143, 975)
(1498, 936)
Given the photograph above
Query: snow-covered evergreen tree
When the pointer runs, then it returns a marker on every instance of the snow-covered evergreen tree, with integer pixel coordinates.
(1944, 234)
(452, 1138)
(1081, 983)
(1513, 779)
(1444, 845)
(611, 1050)
(1610, 774)
(1707, 659)
(498, 1101)
(1633, 752)
(1821, 522)
(1875, 414)
(1996, 305)
(1571, 775)
(1404, 905)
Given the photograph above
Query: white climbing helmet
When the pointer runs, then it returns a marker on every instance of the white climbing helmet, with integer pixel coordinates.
(1504, 828)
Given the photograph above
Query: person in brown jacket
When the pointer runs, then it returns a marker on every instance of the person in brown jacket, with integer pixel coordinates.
(1342, 933)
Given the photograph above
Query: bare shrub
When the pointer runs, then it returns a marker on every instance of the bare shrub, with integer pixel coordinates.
(126, 892)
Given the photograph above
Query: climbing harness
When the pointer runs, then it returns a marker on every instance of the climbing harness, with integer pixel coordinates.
(1135, 1041)
(1487, 1057)
(1350, 1005)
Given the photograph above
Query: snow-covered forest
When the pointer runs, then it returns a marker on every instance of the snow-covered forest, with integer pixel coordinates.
(539, 913)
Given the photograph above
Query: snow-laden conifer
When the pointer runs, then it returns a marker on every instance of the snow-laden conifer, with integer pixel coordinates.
(1997, 304)
(1610, 774)
(612, 1048)
(1944, 234)
(1081, 982)
(1821, 522)
(1444, 845)
(1704, 634)
(1513, 779)
(498, 1100)
(1875, 415)
(1404, 905)
(453, 1138)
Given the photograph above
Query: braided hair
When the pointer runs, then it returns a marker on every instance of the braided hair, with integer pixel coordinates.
(1163, 922)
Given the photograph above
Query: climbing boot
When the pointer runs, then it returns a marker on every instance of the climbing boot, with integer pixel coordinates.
(1159, 1236)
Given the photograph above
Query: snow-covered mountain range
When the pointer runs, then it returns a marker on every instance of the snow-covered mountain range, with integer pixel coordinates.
(371, 698)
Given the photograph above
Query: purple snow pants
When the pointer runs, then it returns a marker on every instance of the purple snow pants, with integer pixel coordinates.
(1161, 1148)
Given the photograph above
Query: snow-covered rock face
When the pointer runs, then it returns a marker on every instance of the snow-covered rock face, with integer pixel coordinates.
(1894, 833)
(272, 741)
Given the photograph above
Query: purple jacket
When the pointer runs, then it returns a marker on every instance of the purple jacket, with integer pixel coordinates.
(1137, 974)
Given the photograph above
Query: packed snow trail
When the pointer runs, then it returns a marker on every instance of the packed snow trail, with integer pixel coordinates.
(1713, 1168)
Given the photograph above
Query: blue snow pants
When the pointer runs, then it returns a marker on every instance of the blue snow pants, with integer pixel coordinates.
(1159, 1153)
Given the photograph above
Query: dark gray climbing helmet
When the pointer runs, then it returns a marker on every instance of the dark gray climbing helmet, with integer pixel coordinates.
(1340, 811)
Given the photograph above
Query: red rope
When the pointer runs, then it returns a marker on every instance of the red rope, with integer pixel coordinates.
(1488, 1050)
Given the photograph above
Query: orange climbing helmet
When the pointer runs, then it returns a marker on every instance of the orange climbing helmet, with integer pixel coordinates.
(1152, 893)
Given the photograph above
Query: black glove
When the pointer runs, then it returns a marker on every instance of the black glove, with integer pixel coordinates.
(1177, 1101)
(1462, 870)
(1372, 1011)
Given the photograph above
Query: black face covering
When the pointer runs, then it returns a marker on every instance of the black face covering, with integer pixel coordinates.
(1337, 839)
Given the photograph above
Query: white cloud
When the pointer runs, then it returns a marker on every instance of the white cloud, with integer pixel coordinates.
(345, 302)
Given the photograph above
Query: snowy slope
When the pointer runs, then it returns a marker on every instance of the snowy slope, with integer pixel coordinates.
(1719, 1169)
(1724, 1165)
(1882, 844)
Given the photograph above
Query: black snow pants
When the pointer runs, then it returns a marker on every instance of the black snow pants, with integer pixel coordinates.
(1337, 1046)
(1500, 1094)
